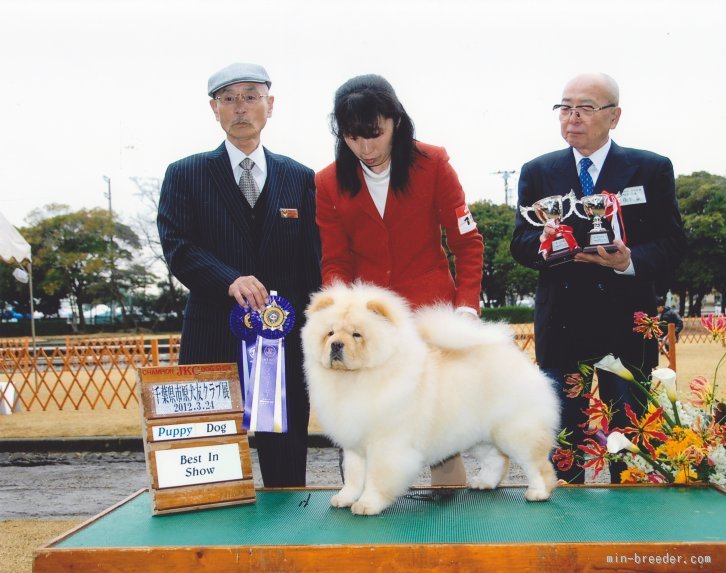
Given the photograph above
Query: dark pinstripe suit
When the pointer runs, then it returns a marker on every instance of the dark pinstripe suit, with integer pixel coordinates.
(210, 237)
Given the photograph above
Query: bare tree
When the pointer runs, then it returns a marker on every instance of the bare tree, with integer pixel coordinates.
(145, 224)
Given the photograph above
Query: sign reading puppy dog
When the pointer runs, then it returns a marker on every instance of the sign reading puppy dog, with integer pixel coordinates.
(197, 454)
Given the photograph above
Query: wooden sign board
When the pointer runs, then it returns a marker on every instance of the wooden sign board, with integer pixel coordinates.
(197, 454)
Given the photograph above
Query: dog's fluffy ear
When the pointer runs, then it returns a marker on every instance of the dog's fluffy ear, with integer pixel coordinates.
(319, 301)
(380, 308)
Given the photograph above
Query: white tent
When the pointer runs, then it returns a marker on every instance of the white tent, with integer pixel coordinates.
(16, 250)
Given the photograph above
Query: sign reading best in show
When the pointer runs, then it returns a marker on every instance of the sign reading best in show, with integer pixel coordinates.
(197, 454)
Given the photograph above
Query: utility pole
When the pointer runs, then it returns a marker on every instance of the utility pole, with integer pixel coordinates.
(111, 250)
(505, 175)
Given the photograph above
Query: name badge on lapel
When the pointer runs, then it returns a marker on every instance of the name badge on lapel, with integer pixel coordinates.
(632, 196)
(288, 213)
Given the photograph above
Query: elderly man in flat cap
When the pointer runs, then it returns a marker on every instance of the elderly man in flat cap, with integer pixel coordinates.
(236, 223)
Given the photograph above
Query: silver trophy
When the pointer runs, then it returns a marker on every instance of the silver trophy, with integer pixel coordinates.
(594, 207)
(549, 211)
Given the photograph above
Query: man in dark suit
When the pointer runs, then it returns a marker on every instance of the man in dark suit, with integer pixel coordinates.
(234, 224)
(584, 308)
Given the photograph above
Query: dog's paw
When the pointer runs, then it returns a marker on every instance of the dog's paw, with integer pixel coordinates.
(368, 507)
(343, 498)
(537, 494)
(478, 483)
(486, 479)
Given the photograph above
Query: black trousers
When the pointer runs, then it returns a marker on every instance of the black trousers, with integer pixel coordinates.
(613, 390)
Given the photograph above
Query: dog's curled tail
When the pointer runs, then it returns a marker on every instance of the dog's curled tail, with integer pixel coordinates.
(442, 327)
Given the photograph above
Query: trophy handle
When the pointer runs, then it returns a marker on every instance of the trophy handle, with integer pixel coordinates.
(574, 202)
(524, 211)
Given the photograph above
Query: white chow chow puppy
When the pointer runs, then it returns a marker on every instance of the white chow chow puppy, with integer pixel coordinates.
(399, 390)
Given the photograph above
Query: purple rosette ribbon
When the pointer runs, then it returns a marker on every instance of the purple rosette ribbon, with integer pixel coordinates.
(240, 321)
(266, 394)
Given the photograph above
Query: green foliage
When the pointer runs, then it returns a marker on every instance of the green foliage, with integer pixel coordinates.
(702, 202)
(509, 314)
(503, 278)
(76, 255)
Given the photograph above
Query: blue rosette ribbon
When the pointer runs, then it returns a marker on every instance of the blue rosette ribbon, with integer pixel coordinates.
(265, 395)
(240, 321)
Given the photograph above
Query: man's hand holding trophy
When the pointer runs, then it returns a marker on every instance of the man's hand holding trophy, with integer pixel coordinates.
(558, 243)
(596, 207)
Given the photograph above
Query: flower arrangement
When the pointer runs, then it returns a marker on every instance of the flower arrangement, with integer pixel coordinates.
(674, 441)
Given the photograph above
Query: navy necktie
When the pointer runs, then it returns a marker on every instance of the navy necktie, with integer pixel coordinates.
(585, 180)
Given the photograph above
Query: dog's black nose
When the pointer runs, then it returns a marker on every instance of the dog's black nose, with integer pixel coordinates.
(336, 350)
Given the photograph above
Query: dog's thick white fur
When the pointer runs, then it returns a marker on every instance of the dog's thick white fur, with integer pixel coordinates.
(399, 390)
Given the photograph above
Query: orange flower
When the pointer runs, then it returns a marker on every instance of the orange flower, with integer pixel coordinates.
(633, 475)
(646, 429)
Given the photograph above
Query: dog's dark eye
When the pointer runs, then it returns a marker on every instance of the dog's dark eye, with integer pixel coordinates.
(331, 333)
(356, 335)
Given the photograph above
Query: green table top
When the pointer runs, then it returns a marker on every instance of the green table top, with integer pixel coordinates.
(304, 517)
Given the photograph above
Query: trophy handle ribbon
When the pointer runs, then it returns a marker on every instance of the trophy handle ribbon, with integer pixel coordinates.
(613, 211)
(561, 232)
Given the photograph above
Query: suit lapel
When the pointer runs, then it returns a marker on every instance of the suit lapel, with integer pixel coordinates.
(278, 195)
(228, 191)
(617, 171)
(563, 165)
(365, 202)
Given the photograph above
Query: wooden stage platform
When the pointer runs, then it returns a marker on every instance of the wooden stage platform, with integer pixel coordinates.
(582, 528)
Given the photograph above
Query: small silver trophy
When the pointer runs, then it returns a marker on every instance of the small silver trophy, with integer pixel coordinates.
(595, 207)
(562, 246)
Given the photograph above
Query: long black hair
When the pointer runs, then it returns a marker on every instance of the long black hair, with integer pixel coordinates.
(359, 105)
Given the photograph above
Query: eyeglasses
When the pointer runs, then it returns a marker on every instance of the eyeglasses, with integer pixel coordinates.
(231, 99)
(580, 110)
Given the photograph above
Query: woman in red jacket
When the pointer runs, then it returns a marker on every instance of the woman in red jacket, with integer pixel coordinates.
(381, 207)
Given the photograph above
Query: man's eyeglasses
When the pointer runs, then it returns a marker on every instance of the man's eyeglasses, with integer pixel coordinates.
(231, 99)
(580, 110)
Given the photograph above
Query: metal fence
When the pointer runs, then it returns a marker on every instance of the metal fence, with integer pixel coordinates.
(100, 373)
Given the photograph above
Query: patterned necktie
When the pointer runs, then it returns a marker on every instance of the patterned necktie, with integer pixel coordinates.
(247, 183)
(585, 179)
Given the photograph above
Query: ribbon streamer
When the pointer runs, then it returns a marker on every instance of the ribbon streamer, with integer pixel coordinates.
(241, 326)
(262, 343)
(614, 213)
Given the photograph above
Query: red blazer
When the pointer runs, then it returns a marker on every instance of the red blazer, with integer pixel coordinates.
(402, 251)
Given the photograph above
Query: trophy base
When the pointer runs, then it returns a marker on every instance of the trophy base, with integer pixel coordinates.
(561, 257)
(599, 238)
(592, 249)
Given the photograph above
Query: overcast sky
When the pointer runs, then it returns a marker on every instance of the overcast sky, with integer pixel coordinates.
(118, 88)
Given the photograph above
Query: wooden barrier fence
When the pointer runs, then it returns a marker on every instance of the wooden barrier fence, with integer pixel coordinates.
(85, 373)
(101, 372)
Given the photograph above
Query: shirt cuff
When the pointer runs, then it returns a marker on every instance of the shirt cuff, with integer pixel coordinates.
(630, 271)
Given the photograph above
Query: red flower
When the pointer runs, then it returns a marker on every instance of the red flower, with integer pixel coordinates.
(701, 392)
(645, 429)
(648, 325)
(574, 385)
(597, 452)
(599, 415)
(716, 325)
(564, 459)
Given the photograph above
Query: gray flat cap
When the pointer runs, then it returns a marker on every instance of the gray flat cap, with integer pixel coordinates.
(235, 73)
